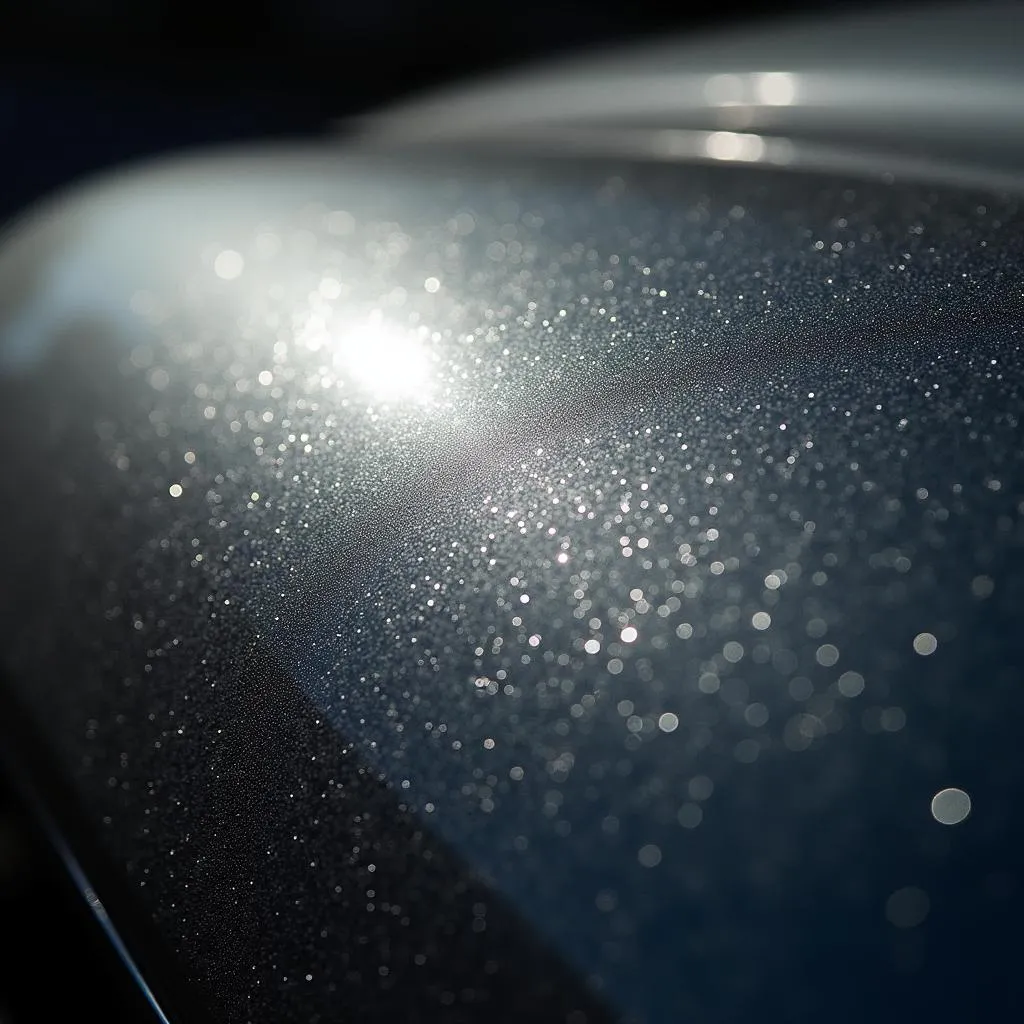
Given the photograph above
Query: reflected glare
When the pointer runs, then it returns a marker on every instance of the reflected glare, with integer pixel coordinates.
(775, 88)
(388, 361)
(733, 146)
(770, 88)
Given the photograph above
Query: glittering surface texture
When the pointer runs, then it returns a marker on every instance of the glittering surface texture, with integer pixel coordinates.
(639, 547)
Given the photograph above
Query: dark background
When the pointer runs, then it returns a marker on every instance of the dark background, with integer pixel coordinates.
(89, 84)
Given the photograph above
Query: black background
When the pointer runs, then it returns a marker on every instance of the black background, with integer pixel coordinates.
(90, 84)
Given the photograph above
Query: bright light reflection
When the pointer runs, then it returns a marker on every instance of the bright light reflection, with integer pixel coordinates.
(386, 360)
(734, 146)
(776, 88)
